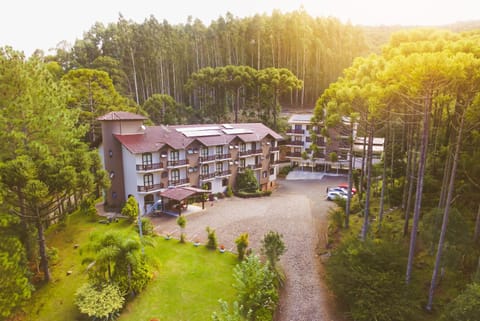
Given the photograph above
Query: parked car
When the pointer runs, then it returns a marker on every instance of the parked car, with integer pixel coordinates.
(336, 193)
(345, 187)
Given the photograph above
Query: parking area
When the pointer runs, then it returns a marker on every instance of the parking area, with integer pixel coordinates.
(298, 210)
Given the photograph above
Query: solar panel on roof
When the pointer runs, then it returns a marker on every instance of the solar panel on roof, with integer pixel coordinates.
(195, 129)
(202, 133)
(235, 131)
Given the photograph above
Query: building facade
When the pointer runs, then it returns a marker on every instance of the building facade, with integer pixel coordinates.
(145, 160)
(300, 140)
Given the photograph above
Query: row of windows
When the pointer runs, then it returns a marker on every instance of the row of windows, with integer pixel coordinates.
(204, 152)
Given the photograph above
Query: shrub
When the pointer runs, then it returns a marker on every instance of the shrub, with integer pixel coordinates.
(130, 209)
(368, 277)
(273, 247)
(220, 195)
(247, 182)
(464, 307)
(336, 217)
(284, 171)
(242, 244)
(147, 226)
(256, 290)
(212, 238)
(229, 191)
(182, 222)
(101, 302)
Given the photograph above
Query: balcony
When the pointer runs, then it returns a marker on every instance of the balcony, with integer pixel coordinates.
(223, 173)
(149, 188)
(149, 167)
(223, 156)
(207, 176)
(205, 159)
(250, 152)
(178, 182)
(274, 149)
(255, 166)
(295, 143)
(177, 163)
(295, 131)
(294, 154)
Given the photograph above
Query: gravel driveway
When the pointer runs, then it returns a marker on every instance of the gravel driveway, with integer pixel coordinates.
(296, 209)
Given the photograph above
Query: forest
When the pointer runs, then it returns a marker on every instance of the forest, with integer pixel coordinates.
(416, 214)
(408, 244)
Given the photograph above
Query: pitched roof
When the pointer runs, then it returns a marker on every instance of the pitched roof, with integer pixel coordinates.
(301, 118)
(181, 193)
(121, 115)
(181, 136)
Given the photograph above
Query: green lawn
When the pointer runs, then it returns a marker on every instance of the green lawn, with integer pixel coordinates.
(187, 283)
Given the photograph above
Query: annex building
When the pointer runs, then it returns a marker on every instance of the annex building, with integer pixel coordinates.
(145, 161)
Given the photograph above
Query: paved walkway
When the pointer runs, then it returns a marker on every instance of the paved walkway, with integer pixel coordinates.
(297, 210)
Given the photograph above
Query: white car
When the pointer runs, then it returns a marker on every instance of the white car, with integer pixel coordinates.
(333, 194)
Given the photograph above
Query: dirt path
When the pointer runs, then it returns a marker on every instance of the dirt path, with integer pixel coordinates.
(297, 209)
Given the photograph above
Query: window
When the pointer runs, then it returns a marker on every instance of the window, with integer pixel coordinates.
(298, 127)
(204, 170)
(243, 147)
(175, 175)
(204, 152)
(254, 146)
(219, 150)
(219, 167)
(174, 155)
(264, 174)
(298, 138)
(225, 182)
(242, 162)
(147, 158)
(148, 180)
(272, 171)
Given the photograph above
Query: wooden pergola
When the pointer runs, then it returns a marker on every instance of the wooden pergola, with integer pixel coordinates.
(181, 195)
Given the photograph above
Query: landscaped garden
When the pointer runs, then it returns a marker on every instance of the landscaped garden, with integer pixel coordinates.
(187, 281)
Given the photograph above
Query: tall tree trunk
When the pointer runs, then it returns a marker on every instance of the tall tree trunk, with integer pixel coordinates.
(443, 232)
(411, 179)
(369, 183)
(350, 180)
(476, 234)
(419, 190)
(42, 249)
(134, 75)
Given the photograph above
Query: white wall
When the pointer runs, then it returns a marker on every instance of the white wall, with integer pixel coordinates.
(130, 175)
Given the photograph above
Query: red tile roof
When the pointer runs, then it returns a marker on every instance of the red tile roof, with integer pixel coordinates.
(181, 193)
(155, 137)
(121, 115)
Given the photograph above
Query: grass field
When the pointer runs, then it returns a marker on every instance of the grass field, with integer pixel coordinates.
(187, 284)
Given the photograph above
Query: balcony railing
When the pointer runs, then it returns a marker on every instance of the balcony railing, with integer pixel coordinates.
(176, 182)
(149, 167)
(295, 131)
(223, 173)
(207, 176)
(148, 188)
(223, 156)
(178, 162)
(274, 149)
(209, 158)
(294, 154)
(295, 143)
(255, 166)
(251, 152)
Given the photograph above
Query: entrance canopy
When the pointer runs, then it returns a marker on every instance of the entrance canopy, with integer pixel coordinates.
(180, 195)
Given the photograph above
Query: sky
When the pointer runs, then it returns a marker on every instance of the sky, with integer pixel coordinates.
(30, 24)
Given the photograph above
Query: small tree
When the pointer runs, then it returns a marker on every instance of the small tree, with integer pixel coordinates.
(242, 244)
(229, 192)
(100, 302)
(256, 290)
(212, 238)
(182, 222)
(130, 209)
(273, 247)
(247, 182)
